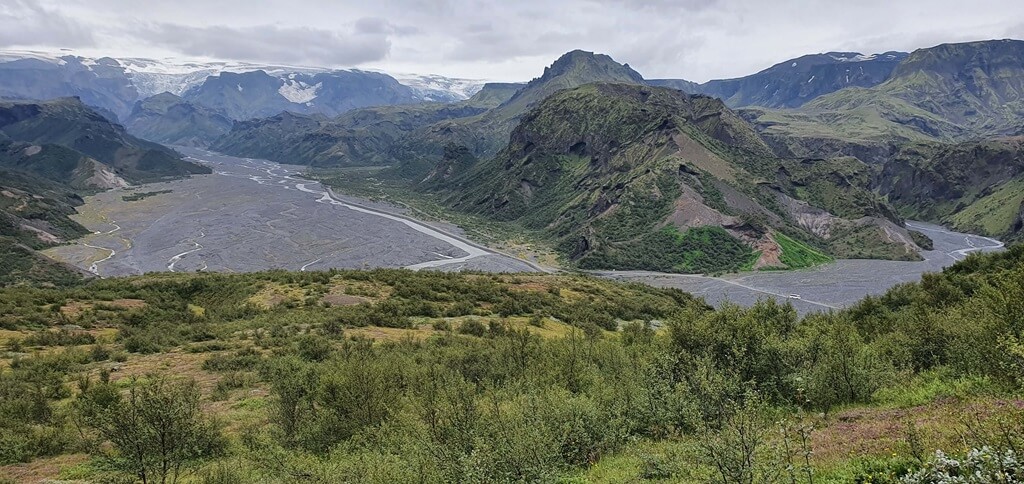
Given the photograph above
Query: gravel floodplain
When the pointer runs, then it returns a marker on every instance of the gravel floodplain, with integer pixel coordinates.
(826, 287)
(252, 215)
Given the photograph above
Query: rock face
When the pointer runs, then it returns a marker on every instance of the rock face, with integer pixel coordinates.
(973, 186)
(794, 82)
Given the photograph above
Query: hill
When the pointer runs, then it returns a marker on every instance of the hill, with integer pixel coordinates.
(976, 186)
(169, 119)
(633, 177)
(946, 93)
(71, 124)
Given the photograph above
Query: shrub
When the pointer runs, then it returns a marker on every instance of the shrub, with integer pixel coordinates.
(472, 327)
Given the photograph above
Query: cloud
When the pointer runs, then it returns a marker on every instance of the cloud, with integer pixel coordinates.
(378, 25)
(367, 42)
(507, 40)
(23, 23)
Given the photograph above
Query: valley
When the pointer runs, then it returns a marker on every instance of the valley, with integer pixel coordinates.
(234, 248)
(252, 215)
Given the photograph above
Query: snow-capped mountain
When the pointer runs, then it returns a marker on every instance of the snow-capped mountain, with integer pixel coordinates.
(115, 85)
(793, 82)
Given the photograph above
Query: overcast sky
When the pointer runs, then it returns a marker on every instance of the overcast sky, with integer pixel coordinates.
(503, 39)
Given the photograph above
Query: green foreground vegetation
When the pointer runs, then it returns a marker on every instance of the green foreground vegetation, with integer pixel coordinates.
(399, 376)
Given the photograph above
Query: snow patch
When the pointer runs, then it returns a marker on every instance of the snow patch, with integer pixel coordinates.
(855, 58)
(435, 87)
(299, 92)
(239, 86)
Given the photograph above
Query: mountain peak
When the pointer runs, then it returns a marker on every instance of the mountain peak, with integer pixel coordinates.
(585, 63)
(573, 69)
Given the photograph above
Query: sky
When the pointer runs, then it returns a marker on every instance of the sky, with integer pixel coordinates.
(505, 40)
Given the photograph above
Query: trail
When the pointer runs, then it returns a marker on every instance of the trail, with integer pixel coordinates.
(177, 258)
(94, 267)
(306, 265)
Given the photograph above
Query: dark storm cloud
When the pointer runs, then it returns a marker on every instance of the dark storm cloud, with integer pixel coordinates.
(368, 41)
(24, 23)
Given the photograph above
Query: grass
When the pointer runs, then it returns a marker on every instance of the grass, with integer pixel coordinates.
(995, 213)
(143, 195)
(933, 386)
(797, 255)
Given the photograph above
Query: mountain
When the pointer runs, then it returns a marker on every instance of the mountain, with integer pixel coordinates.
(975, 186)
(98, 82)
(257, 94)
(115, 85)
(946, 93)
(362, 137)
(414, 137)
(794, 82)
(50, 153)
(484, 135)
(635, 177)
(71, 124)
(169, 119)
(33, 209)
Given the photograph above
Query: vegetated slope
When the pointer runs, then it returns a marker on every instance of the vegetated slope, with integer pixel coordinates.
(169, 119)
(494, 94)
(974, 186)
(792, 83)
(636, 177)
(414, 137)
(35, 210)
(362, 137)
(950, 92)
(69, 123)
(33, 215)
(396, 376)
(488, 133)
